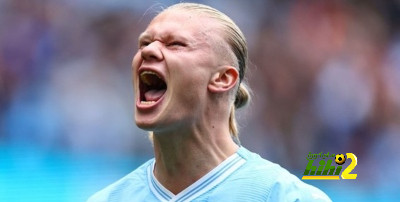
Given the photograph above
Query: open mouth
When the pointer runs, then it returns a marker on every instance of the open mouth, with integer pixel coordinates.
(152, 87)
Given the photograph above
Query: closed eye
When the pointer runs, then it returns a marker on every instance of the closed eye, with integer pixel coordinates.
(176, 43)
(143, 44)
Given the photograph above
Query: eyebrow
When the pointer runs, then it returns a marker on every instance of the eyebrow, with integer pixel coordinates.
(165, 36)
(143, 36)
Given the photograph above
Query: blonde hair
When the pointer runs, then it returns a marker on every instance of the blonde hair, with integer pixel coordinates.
(238, 45)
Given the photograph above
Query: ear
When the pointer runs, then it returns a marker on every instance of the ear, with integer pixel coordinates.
(223, 80)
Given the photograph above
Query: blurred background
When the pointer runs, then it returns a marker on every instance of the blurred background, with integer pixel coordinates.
(325, 77)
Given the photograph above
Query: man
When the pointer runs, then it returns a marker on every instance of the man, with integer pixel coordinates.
(187, 76)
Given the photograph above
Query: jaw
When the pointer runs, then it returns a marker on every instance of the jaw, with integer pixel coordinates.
(145, 123)
(147, 116)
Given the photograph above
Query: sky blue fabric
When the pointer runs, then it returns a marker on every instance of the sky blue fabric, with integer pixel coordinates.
(245, 176)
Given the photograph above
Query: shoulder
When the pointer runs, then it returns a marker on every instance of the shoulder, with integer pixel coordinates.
(129, 184)
(273, 182)
(288, 187)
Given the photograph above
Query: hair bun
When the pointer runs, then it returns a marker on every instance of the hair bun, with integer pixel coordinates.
(242, 96)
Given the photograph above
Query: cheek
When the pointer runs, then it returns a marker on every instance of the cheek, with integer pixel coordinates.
(190, 75)
(136, 60)
(135, 64)
(191, 86)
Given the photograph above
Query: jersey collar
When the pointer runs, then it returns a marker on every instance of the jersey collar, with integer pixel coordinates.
(202, 185)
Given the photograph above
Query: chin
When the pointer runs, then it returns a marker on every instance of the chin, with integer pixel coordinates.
(149, 123)
(159, 124)
(145, 123)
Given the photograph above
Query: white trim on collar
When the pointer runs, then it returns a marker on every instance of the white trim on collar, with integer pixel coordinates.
(204, 184)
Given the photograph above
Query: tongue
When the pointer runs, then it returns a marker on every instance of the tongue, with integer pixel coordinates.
(154, 95)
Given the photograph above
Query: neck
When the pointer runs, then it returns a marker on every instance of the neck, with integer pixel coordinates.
(184, 156)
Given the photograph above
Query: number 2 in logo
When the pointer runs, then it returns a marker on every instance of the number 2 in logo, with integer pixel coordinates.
(346, 173)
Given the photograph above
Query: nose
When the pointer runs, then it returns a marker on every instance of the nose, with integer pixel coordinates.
(152, 51)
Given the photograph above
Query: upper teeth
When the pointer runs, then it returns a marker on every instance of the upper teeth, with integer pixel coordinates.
(149, 72)
(145, 79)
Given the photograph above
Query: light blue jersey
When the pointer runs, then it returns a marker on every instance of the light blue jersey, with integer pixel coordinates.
(244, 176)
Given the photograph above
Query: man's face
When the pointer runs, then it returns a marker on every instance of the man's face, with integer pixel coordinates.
(172, 69)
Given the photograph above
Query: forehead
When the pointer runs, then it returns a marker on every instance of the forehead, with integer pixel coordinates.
(180, 22)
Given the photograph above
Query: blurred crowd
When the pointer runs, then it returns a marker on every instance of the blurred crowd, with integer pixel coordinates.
(325, 77)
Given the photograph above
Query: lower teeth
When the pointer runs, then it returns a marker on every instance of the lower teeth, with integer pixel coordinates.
(147, 102)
